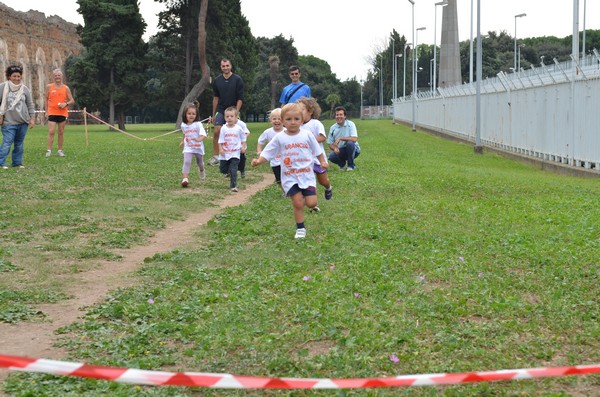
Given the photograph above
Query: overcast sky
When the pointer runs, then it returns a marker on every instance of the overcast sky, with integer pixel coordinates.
(346, 34)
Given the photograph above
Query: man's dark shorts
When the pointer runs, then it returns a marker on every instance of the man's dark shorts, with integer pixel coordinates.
(219, 119)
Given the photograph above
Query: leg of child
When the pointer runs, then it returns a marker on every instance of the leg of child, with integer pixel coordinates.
(298, 203)
(233, 167)
(200, 164)
(242, 165)
(187, 164)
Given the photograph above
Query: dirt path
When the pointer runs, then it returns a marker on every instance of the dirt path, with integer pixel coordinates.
(37, 339)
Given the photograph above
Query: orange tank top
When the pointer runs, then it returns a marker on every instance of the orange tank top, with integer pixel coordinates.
(57, 95)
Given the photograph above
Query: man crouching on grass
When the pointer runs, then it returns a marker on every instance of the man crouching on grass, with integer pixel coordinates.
(297, 148)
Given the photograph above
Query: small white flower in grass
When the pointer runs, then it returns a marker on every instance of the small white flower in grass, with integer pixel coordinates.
(306, 278)
(225, 295)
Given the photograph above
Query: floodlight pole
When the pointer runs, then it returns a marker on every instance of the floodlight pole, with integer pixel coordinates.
(414, 69)
(516, 16)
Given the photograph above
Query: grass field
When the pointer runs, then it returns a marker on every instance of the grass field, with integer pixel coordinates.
(447, 260)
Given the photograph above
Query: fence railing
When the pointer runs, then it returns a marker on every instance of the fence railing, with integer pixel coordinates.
(549, 112)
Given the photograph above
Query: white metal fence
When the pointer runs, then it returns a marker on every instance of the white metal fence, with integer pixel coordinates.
(550, 112)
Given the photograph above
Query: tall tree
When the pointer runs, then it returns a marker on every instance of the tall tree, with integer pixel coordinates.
(112, 70)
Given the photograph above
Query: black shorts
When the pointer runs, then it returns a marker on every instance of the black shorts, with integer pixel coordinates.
(57, 119)
(309, 191)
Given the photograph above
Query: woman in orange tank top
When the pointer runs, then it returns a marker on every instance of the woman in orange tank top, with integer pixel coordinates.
(58, 98)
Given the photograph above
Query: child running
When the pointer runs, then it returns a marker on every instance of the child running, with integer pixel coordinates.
(232, 142)
(311, 113)
(266, 137)
(191, 142)
(297, 148)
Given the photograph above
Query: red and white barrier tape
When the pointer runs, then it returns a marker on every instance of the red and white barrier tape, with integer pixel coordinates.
(228, 381)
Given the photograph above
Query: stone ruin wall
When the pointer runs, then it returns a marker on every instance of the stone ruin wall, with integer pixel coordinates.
(38, 43)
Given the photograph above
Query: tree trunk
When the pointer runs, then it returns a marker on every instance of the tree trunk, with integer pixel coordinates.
(273, 73)
(204, 82)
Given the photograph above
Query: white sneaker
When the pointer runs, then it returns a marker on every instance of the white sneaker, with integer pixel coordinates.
(234, 189)
(300, 233)
(213, 161)
(184, 182)
(350, 169)
(315, 209)
(202, 175)
(61, 153)
(48, 153)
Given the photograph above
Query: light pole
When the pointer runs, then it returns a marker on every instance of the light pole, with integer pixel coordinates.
(381, 84)
(404, 72)
(519, 58)
(396, 73)
(416, 60)
(443, 4)
(393, 68)
(414, 73)
(517, 16)
(361, 99)
(471, 48)
(431, 76)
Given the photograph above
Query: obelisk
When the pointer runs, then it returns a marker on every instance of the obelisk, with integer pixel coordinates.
(449, 48)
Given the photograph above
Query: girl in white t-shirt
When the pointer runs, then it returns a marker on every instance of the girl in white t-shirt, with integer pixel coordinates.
(311, 111)
(191, 142)
(266, 137)
(297, 148)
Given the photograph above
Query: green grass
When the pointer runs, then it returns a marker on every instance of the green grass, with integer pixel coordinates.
(449, 260)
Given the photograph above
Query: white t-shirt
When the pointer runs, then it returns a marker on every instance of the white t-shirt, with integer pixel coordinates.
(231, 138)
(266, 137)
(297, 153)
(317, 128)
(191, 137)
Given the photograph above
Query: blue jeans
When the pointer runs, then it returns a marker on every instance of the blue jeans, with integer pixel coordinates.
(347, 154)
(13, 134)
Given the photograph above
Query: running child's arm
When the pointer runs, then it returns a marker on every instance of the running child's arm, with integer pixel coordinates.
(324, 164)
(259, 161)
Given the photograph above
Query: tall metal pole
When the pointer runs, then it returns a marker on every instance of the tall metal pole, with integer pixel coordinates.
(433, 84)
(583, 38)
(415, 88)
(478, 147)
(361, 100)
(516, 16)
(404, 72)
(381, 84)
(414, 69)
(393, 68)
(471, 48)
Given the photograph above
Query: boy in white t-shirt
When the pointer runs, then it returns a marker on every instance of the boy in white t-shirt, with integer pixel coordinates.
(232, 142)
(297, 148)
(266, 137)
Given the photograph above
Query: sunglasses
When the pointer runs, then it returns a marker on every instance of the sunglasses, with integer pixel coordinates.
(294, 73)
(15, 69)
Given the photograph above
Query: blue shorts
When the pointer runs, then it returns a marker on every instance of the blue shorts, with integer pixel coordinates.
(309, 191)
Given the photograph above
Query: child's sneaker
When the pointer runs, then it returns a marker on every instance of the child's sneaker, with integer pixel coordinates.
(300, 233)
(234, 189)
(328, 193)
(315, 209)
(184, 182)
(202, 175)
(48, 153)
(243, 173)
(61, 153)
